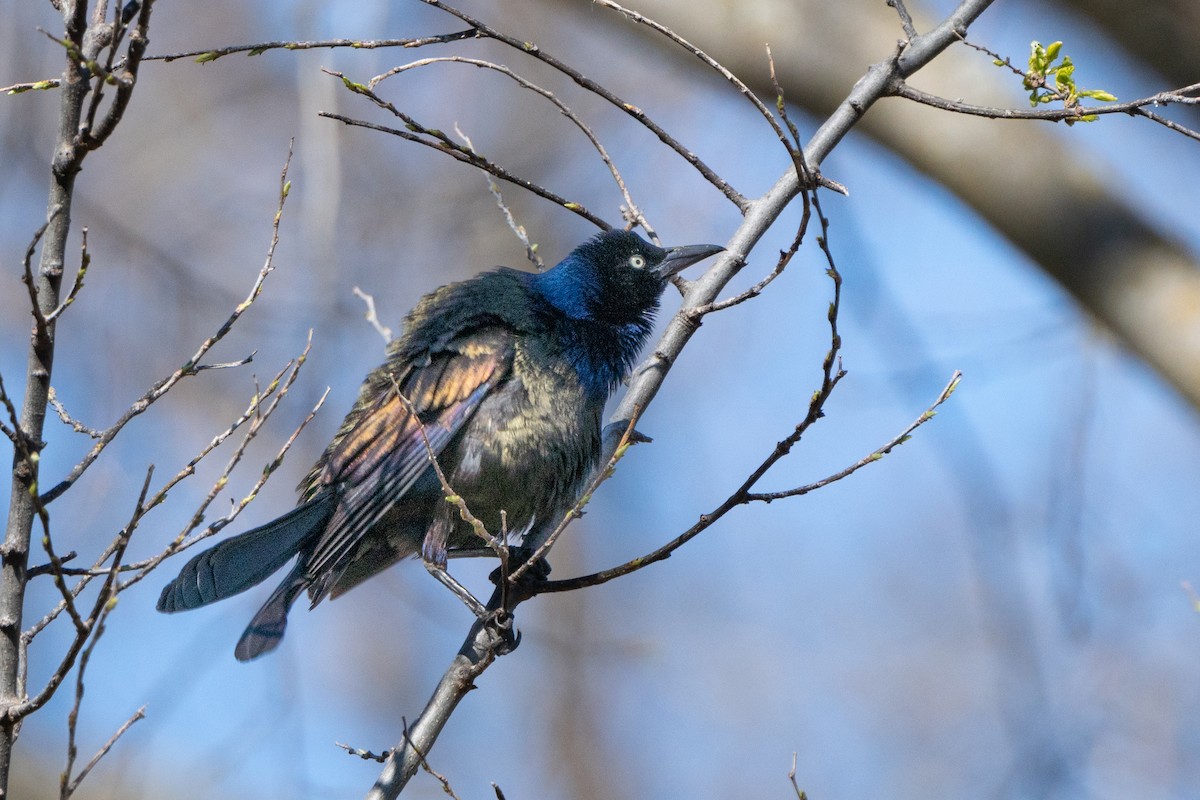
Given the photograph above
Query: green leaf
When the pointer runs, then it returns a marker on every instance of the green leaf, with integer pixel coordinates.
(1065, 72)
(204, 58)
(1052, 51)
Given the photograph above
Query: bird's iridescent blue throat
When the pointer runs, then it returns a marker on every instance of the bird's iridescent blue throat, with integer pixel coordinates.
(604, 296)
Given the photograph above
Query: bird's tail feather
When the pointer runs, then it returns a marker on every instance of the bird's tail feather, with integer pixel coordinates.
(265, 631)
(245, 560)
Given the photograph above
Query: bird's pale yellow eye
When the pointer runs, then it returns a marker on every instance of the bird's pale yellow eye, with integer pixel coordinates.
(637, 261)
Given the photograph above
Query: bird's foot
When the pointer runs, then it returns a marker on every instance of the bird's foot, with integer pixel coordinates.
(502, 625)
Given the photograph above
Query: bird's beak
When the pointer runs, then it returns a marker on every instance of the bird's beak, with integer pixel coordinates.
(679, 258)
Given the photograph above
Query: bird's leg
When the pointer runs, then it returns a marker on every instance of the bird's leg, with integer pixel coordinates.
(471, 552)
(433, 546)
(460, 591)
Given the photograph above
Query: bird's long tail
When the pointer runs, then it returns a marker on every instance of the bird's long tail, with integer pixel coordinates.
(245, 560)
(265, 631)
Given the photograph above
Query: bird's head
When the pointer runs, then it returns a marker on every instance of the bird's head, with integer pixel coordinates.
(616, 277)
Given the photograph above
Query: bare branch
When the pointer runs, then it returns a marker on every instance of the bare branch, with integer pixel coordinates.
(633, 213)
(517, 229)
(181, 542)
(906, 22)
(39, 317)
(800, 795)
(85, 259)
(103, 751)
(372, 317)
(365, 755)
(13, 433)
(257, 412)
(480, 648)
(874, 456)
(452, 497)
(205, 56)
(68, 420)
(425, 763)
(488, 639)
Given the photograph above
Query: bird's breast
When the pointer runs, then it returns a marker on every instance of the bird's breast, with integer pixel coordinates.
(529, 447)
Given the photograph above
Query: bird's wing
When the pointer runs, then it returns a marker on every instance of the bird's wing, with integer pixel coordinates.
(384, 449)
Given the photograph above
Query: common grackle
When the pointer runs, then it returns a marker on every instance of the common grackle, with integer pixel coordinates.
(508, 374)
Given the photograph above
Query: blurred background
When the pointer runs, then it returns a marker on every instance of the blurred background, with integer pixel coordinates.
(998, 609)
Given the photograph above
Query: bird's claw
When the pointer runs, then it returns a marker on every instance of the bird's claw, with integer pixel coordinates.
(509, 637)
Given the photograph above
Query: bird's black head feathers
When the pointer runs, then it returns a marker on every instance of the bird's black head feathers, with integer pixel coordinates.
(610, 278)
(615, 277)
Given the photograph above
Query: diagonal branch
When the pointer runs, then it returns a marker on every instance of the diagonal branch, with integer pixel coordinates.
(482, 644)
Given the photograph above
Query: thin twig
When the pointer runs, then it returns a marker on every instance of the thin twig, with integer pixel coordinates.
(1070, 114)
(800, 795)
(425, 762)
(372, 317)
(256, 412)
(906, 20)
(14, 433)
(145, 567)
(831, 375)
(103, 751)
(518, 229)
(21, 88)
(68, 420)
(89, 629)
(451, 496)
(205, 56)
(39, 319)
(365, 755)
(436, 569)
(85, 259)
(874, 456)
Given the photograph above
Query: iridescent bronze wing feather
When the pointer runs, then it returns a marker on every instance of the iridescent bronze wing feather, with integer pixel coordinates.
(385, 448)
